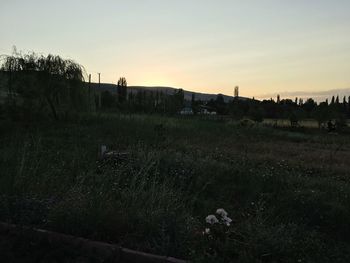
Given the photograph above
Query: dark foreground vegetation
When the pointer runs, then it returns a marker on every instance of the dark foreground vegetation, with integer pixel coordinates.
(287, 191)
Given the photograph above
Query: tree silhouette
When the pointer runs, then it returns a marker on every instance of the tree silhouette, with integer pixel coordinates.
(236, 92)
(122, 89)
(333, 100)
(42, 82)
(309, 105)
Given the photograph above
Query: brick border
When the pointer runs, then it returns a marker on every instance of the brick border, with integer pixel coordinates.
(93, 249)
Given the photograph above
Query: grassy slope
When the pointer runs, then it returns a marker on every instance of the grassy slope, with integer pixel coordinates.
(288, 193)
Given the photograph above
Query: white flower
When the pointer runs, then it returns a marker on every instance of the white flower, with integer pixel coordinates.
(206, 231)
(227, 220)
(222, 212)
(211, 219)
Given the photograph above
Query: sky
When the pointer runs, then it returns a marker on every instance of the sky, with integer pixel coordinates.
(263, 46)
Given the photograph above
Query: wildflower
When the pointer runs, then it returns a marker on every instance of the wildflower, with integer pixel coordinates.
(211, 219)
(206, 231)
(221, 212)
(227, 220)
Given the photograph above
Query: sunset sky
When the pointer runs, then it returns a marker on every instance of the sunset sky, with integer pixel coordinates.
(263, 46)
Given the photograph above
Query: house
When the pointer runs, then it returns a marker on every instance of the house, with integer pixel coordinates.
(186, 111)
(207, 110)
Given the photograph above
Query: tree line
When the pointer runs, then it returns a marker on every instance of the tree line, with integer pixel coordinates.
(335, 111)
(142, 100)
(37, 86)
(159, 102)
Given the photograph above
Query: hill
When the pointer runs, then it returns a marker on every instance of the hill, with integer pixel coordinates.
(167, 90)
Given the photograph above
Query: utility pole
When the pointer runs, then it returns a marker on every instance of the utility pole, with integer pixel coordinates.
(99, 90)
(90, 91)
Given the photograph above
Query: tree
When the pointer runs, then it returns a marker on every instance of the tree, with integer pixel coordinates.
(345, 106)
(122, 89)
(337, 100)
(309, 105)
(333, 100)
(294, 119)
(301, 101)
(46, 84)
(236, 92)
(321, 114)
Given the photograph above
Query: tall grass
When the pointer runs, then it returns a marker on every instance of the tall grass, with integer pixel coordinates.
(286, 204)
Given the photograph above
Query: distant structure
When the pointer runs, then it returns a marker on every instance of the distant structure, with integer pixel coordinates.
(278, 98)
(186, 111)
(99, 101)
(236, 92)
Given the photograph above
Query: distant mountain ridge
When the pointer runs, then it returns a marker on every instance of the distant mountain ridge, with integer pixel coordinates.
(167, 90)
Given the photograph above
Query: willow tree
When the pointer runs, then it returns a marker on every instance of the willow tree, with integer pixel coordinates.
(45, 84)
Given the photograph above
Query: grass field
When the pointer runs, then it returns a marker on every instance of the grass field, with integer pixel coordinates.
(307, 123)
(287, 192)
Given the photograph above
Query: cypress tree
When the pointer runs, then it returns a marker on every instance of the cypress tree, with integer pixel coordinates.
(344, 105)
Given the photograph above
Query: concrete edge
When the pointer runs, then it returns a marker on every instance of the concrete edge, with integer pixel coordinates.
(114, 253)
